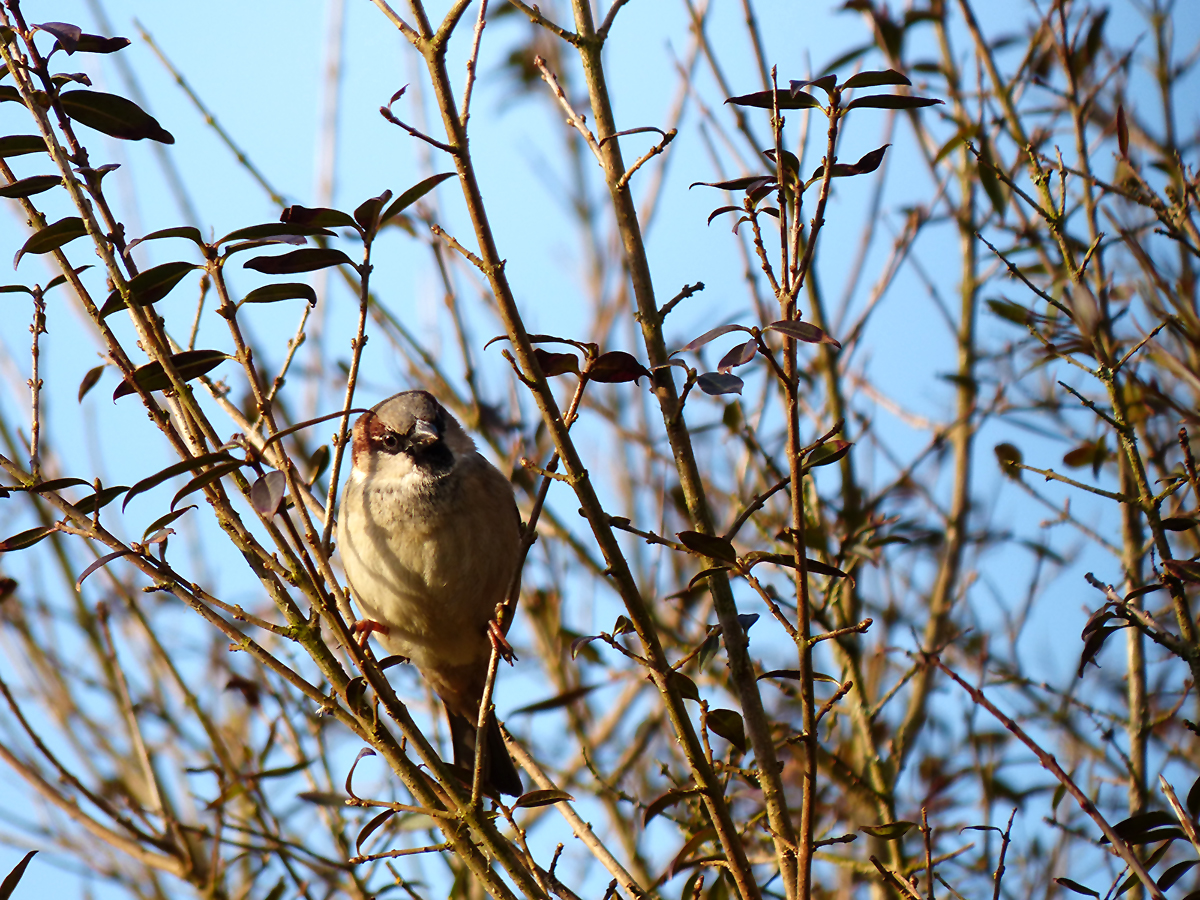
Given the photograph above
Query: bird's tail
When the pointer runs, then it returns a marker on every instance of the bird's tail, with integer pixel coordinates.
(499, 771)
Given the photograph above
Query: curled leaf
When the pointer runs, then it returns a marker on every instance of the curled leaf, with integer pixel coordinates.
(100, 564)
(738, 356)
(552, 363)
(616, 367)
(267, 493)
(710, 335)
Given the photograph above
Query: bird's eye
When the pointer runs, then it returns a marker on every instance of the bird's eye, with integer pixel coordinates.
(390, 441)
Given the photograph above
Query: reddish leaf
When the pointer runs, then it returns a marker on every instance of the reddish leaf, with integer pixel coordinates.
(113, 115)
(267, 493)
(1122, 131)
(802, 331)
(793, 99)
(616, 367)
(711, 335)
(556, 363)
(738, 356)
(875, 79)
(318, 217)
(307, 260)
(891, 101)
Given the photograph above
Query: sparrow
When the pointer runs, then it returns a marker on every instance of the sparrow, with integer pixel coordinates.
(429, 536)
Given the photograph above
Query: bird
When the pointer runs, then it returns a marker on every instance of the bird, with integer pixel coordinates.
(429, 536)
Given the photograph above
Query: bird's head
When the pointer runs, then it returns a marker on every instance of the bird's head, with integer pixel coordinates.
(410, 433)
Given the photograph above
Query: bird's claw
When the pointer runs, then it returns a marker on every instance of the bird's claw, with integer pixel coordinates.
(364, 627)
(500, 643)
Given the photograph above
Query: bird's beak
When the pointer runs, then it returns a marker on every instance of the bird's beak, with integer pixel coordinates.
(422, 434)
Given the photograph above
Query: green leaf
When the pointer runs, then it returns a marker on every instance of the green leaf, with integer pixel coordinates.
(20, 144)
(412, 195)
(532, 799)
(891, 101)
(788, 99)
(1010, 459)
(190, 364)
(1076, 887)
(685, 686)
(275, 230)
(62, 279)
(1193, 798)
(89, 505)
(12, 878)
(1011, 312)
(183, 231)
(566, 698)
(711, 546)
(27, 187)
(204, 479)
(113, 115)
(306, 260)
(89, 381)
(149, 287)
(728, 724)
(1174, 873)
(52, 237)
(57, 484)
(26, 539)
(892, 831)
(187, 465)
(828, 453)
(273, 293)
(875, 79)
(664, 802)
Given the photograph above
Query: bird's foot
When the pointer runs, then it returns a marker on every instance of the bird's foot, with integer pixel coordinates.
(500, 643)
(364, 627)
